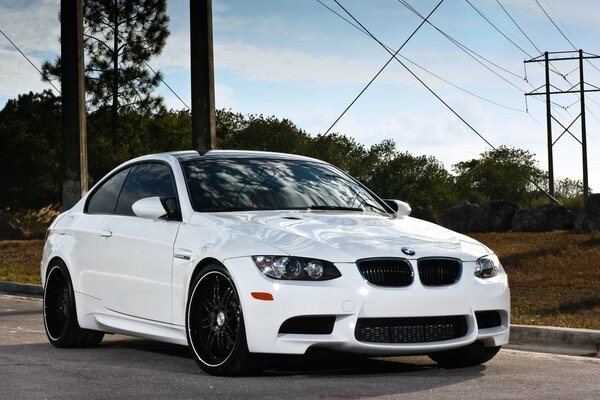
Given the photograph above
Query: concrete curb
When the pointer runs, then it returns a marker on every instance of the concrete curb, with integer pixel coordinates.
(25, 289)
(584, 342)
(581, 342)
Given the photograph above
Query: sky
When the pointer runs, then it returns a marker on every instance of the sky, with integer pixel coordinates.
(298, 60)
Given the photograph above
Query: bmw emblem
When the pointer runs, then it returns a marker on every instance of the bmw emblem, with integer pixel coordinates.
(408, 251)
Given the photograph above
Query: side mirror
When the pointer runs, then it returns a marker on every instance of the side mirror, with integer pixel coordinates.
(149, 207)
(401, 208)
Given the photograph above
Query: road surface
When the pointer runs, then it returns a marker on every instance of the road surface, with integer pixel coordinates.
(128, 368)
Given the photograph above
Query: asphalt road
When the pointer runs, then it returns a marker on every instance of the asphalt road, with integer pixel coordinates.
(128, 368)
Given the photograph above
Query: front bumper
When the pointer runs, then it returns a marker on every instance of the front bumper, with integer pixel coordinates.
(350, 297)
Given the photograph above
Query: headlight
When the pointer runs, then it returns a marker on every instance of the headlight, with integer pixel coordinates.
(295, 268)
(488, 267)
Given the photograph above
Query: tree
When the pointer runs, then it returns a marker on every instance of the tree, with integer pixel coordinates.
(257, 132)
(420, 180)
(120, 37)
(30, 150)
(505, 173)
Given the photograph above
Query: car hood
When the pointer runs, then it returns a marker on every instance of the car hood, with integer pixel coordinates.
(345, 236)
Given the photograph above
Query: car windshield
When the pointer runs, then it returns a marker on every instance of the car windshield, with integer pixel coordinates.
(270, 184)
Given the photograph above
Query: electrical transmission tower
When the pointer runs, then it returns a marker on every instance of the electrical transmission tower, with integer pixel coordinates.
(561, 56)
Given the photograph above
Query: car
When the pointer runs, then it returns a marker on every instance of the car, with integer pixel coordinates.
(238, 254)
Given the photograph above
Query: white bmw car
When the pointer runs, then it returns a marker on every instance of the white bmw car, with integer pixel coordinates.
(237, 254)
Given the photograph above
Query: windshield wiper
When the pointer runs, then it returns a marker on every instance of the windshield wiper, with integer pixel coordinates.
(336, 208)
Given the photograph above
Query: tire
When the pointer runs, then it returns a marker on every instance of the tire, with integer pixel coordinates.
(215, 324)
(60, 314)
(471, 355)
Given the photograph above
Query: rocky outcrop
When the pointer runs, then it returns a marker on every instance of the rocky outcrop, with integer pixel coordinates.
(499, 215)
(423, 213)
(494, 216)
(589, 219)
(549, 217)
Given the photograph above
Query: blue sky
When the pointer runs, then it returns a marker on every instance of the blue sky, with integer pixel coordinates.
(295, 59)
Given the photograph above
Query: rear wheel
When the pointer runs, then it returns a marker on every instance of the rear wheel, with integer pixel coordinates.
(60, 315)
(473, 354)
(215, 324)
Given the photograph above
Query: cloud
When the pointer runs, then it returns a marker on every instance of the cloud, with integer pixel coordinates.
(276, 65)
(18, 76)
(32, 25)
(224, 97)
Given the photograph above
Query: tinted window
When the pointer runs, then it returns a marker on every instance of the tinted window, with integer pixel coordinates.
(259, 184)
(104, 200)
(145, 180)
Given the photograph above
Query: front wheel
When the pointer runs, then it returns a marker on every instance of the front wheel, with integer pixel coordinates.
(215, 324)
(468, 356)
(60, 315)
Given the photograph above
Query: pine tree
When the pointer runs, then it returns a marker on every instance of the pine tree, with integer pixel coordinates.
(120, 37)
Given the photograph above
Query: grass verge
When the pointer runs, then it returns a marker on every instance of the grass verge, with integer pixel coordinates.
(554, 276)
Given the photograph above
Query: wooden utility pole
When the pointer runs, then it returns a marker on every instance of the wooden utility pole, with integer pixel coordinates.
(202, 70)
(74, 137)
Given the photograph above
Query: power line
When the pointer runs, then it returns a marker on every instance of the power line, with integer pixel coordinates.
(517, 25)
(468, 51)
(442, 100)
(167, 85)
(556, 26)
(553, 69)
(423, 68)
(382, 68)
(497, 29)
(27, 58)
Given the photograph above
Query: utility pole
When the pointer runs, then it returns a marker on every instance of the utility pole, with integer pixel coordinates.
(202, 69)
(74, 137)
(549, 117)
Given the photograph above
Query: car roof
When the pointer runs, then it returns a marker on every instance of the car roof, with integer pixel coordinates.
(189, 155)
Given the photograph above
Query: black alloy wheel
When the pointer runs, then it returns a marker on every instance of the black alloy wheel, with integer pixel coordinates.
(60, 315)
(215, 324)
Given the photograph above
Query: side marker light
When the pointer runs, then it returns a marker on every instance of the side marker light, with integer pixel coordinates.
(262, 296)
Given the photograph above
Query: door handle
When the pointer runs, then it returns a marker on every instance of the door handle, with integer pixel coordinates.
(105, 233)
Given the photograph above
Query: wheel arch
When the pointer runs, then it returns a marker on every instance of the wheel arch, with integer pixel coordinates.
(48, 269)
(205, 262)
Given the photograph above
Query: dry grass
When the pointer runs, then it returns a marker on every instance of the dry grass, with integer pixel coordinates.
(554, 276)
(20, 260)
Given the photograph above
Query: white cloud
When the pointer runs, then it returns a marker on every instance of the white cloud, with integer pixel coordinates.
(283, 65)
(224, 97)
(18, 76)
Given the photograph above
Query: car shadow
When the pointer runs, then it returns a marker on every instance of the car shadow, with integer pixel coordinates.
(319, 362)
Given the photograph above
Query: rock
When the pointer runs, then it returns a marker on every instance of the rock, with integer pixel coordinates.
(499, 215)
(423, 213)
(494, 216)
(463, 217)
(10, 228)
(589, 219)
(549, 217)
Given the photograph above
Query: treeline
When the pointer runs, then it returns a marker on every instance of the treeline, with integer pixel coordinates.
(31, 154)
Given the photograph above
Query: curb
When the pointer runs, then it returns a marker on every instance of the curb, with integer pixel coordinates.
(25, 289)
(582, 342)
(544, 339)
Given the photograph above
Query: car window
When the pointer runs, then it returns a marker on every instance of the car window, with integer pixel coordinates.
(258, 184)
(104, 199)
(145, 180)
